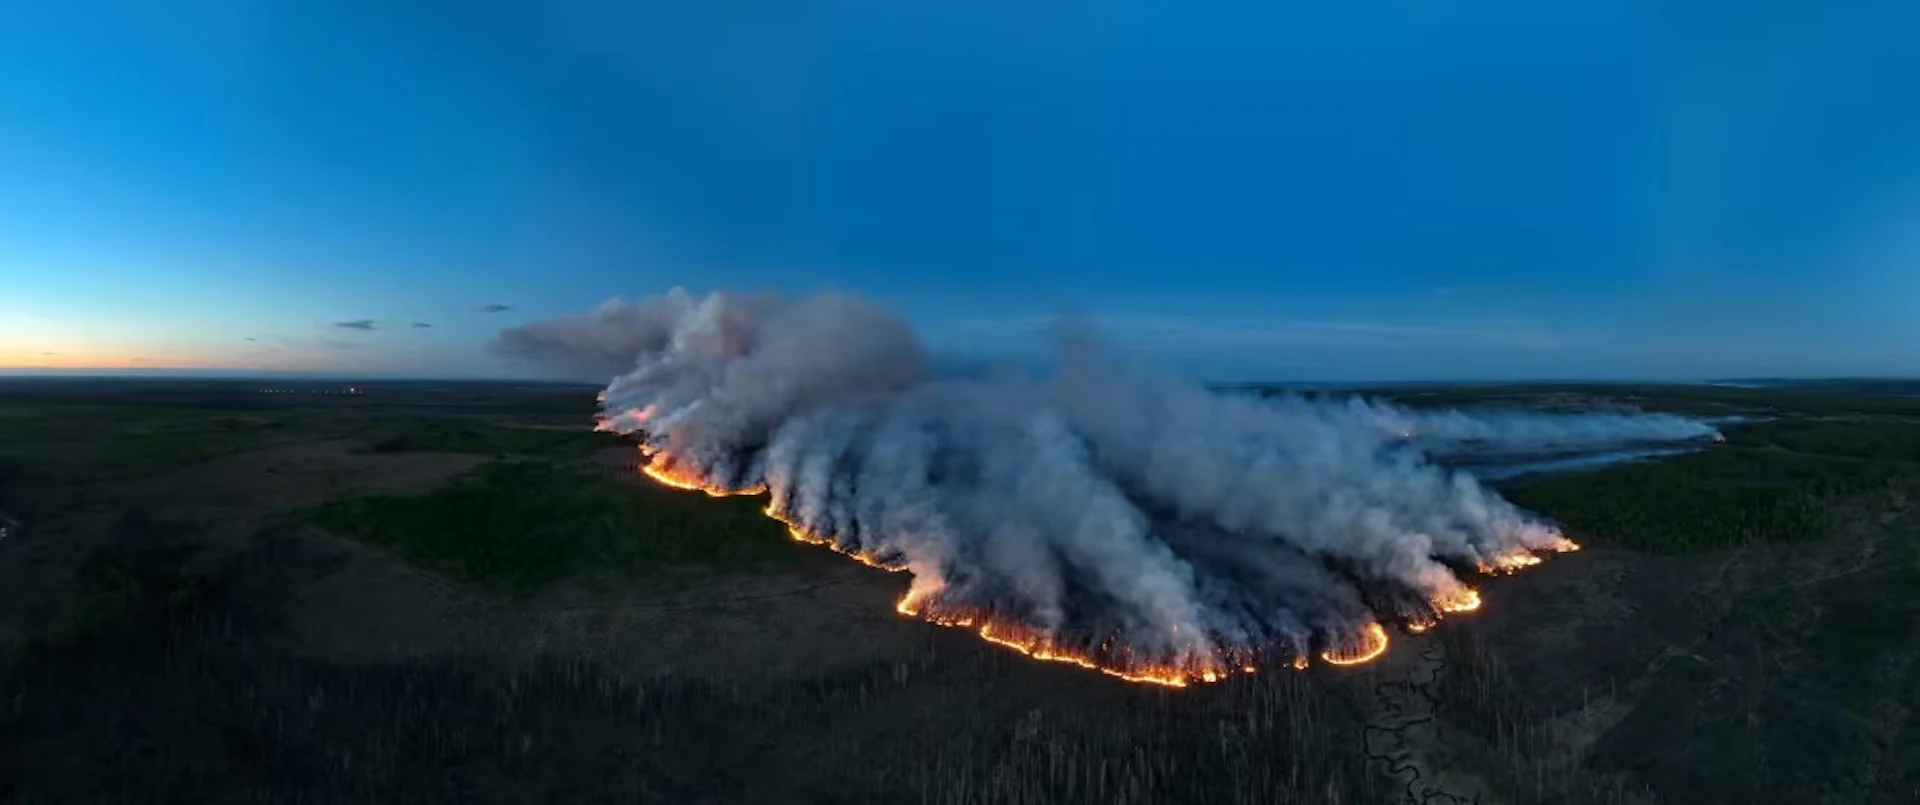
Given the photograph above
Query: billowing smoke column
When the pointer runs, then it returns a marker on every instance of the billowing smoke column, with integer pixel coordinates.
(1104, 514)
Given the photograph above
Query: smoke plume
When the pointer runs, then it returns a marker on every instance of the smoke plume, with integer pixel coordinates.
(603, 342)
(1453, 433)
(1103, 513)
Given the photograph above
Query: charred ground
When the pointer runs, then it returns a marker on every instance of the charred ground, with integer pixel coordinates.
(270, 591)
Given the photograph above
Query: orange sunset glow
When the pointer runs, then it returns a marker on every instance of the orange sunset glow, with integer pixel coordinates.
(90, 358)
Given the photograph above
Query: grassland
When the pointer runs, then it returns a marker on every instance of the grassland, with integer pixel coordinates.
(128, 442)
(444, 435)
(1773, 481)
(1697, 661)
(163, 689)
(521, 524)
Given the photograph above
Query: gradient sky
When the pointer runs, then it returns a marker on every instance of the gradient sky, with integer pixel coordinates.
(1361, 189)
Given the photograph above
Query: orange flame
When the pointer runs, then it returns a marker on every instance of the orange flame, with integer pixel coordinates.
(680, 479)
(1373, 645)
(1508, 563)
(1041, 648)
(1036, 643)
(1466, 600)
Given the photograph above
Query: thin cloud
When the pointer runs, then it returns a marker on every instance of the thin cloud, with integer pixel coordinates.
(420, 325)
(357, 324)
(495, 308)
(250, 338)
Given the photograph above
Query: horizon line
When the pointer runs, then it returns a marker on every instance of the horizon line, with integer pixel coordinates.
(315, 375)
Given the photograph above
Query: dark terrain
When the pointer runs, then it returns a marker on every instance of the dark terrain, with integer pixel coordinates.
(228, 591)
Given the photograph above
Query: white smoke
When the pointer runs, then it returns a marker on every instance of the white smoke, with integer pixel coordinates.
(1507, 431)
(600, 343)
(1105, 507)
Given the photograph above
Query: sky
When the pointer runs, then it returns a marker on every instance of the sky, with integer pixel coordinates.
(1255, 189)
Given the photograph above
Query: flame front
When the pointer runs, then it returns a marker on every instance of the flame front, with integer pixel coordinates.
(1373, 643)
(1368, 644)
(665, 474)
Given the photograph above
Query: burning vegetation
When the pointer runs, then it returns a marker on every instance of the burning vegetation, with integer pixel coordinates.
(1100, 515)
(1111, 655)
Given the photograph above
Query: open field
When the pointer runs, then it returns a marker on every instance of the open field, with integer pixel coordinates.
(275, 592)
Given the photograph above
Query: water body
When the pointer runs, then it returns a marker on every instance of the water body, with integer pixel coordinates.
(1505, 467)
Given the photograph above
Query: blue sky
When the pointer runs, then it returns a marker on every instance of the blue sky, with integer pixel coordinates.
(1334, 190)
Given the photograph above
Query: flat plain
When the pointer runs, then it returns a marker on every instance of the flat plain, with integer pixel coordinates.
(277, 591)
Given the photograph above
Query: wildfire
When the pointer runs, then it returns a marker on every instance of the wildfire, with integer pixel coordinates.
(1043, 649)
(1466, 600)
(660, 473)
(1113, 661)
(1373, 644)
(679, 479)
(1509, 563)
